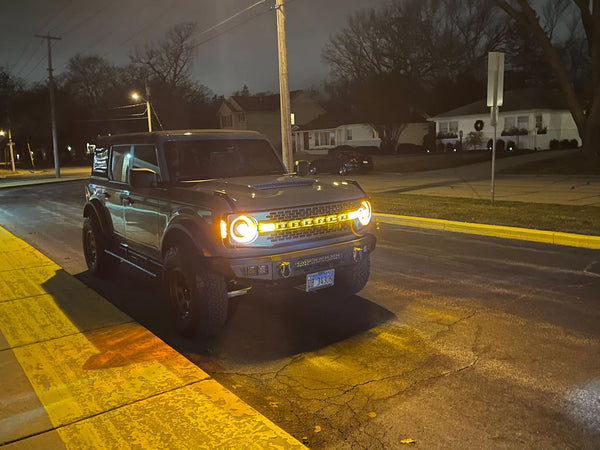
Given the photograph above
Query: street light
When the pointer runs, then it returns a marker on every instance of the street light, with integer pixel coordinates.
(10, 144)
(137, 96)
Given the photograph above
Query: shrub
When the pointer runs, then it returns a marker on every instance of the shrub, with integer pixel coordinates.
(515, 132)
(564, 143)
(440, 147)
(500, 145)
(511, 146)
(474, 139)
(573, 143)
(554, 144)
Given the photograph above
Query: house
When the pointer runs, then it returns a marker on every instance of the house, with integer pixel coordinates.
(262, 113)
(328, 131)
(528, 118)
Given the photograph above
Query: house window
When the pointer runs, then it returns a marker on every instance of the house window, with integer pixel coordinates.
(332, 138)
(510, 122)
(538, 121)
(349, 134)
(448, 128)
(241, 117)
(375, 134)
(523, 122)
(317, 141)
(306, 138)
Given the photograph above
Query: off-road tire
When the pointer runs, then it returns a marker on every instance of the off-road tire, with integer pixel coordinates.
(351, 279)
(94, 244)
(197, 296)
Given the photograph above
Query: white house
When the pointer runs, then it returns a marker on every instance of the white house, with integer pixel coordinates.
(326, 132)
(529, 118)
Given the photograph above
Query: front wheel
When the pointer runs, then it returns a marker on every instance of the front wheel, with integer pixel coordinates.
(196, 295)
(98, 261)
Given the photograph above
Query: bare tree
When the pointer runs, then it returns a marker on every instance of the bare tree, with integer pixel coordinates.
(170, 60)
(89, 79)
(542, 23)
(424, 39)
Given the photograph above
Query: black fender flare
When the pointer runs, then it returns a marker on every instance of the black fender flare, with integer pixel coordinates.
(185, 229)
(95, 208)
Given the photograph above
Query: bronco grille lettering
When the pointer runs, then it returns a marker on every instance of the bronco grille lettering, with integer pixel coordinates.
(266, 227)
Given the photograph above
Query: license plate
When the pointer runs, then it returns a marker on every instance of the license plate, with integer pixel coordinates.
(319, 280)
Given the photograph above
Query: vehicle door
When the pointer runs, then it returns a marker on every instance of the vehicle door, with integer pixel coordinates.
(119, 168)
(141, 205)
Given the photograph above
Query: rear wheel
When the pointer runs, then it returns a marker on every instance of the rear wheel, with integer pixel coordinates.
(196, 295)
(94, 245)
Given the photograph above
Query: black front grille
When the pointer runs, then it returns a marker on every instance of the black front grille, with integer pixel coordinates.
(306, 212)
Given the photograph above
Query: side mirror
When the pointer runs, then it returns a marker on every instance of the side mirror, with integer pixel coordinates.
(143, 178)
(302, 167)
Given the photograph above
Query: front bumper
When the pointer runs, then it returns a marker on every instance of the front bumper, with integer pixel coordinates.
(285, 266)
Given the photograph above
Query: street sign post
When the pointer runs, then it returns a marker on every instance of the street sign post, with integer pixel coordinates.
(494, 100)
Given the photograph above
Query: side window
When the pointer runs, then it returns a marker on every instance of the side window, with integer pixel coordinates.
(119, 163)
(100, 165)
(144, 156)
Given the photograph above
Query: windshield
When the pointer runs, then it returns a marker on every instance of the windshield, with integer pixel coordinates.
(206, 159)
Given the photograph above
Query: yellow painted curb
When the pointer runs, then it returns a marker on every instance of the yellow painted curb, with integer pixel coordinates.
(104, 381)
(527, 234)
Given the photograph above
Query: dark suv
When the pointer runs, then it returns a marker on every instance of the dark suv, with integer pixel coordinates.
(214, 213)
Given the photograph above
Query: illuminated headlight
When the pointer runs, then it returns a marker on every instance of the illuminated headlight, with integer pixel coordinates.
(364, 213)
(243, 230)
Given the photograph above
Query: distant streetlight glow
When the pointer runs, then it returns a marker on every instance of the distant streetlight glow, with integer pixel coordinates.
(136, 96)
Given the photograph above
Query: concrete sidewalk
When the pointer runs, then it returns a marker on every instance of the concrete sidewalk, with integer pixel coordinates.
(77, 373)
(42, 176)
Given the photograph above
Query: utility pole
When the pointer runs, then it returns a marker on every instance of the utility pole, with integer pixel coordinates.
(148, 107)
(52, 105)
(284, 91)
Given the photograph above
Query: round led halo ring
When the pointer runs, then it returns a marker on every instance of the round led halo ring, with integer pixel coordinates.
(365, 218)
(248, 234)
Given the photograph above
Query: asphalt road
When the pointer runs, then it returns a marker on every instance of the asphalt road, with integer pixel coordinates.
(457, 341)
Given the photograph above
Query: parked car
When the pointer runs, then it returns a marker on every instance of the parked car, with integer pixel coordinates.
(214, 214)
(342, 160)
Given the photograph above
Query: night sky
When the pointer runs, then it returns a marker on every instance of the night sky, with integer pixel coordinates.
(247, 54)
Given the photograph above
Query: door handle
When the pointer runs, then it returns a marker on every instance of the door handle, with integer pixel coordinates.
(126, 198)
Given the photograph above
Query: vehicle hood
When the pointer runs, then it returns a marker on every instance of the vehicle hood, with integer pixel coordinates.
(277, 191)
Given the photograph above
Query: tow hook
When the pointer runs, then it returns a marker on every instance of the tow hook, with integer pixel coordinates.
(358, 253)
(284, 269)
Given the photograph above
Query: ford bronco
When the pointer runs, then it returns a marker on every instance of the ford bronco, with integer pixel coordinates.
(214, 213)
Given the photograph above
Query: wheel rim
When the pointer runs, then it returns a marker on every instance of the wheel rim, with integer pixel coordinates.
(342, 170)
(91, 249)
(180, 293)
(312, 170)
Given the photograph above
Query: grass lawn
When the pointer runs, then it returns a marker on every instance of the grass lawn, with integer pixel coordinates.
(551, 217)
(540, 216)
